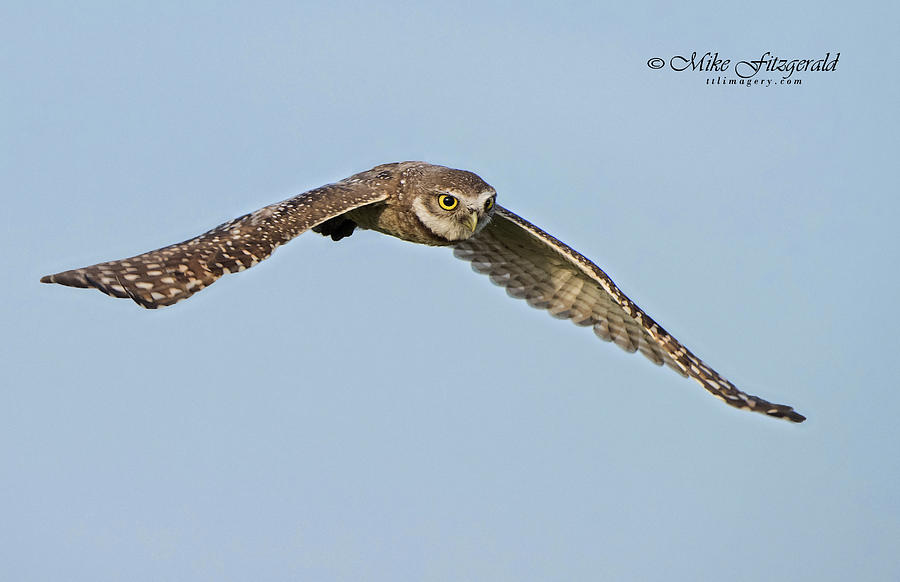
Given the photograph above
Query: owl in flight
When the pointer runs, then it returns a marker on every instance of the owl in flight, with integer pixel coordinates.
(426, 204)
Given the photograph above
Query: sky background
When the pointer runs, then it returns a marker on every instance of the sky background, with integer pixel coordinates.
(372, 410)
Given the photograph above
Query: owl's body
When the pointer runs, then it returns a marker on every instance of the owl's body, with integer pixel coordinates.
(424, 204)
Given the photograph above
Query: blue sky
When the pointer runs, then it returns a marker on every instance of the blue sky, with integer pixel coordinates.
(371, 409)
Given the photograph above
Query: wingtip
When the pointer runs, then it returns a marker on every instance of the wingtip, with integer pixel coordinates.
(788, 414)
(47, 279)
(796, 417)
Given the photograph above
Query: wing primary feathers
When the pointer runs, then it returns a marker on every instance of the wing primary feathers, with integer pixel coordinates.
(523, 258)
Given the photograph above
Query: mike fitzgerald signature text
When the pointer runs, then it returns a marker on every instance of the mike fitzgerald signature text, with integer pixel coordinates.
(710, 62)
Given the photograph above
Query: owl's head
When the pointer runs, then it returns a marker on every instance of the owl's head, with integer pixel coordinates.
(453, 204)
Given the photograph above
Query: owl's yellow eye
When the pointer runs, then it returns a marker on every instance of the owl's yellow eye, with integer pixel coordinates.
(448, 202)
(488, 204)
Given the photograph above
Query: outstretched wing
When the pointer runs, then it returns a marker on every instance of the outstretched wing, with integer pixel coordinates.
(548, 274)
(173, 273)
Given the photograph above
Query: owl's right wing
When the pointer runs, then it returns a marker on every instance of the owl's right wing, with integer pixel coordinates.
(173, 273)
(548, 274)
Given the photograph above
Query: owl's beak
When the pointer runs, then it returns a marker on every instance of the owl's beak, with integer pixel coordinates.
(471, 221)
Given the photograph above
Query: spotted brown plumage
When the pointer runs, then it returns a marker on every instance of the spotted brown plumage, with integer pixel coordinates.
(426, 204)
(171, 274)
(535, 266)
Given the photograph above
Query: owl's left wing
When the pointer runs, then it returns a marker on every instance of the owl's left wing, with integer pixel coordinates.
(173, 273)
(548, 274)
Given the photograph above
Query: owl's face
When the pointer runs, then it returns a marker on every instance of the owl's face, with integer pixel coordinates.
(456, 209)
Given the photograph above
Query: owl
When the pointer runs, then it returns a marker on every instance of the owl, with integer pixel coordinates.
(426, 204)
